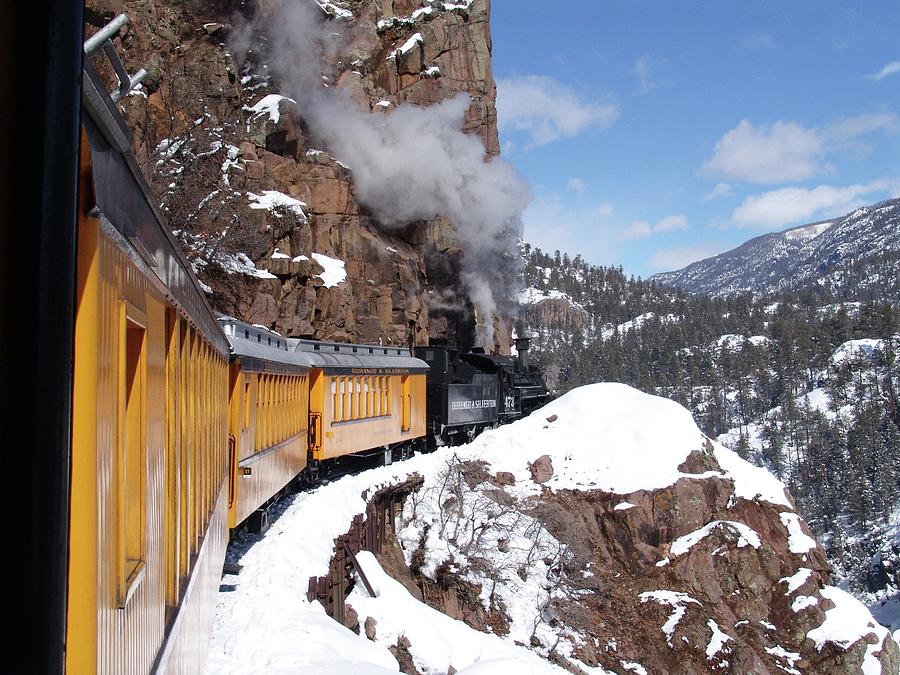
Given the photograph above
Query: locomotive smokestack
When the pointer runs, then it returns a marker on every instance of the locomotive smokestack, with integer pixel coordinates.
(522, 344)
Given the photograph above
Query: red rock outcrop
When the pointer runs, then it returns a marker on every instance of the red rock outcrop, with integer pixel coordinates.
(206, 149)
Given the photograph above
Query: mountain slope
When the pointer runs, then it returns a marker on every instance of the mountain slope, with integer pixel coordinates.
(796, 257)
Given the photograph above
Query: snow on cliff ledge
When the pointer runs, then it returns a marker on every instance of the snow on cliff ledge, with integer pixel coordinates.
(602, 437)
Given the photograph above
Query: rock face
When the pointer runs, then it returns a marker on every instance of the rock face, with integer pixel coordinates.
(252, 197)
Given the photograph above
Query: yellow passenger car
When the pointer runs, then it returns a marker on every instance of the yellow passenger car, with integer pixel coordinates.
(364, 399)
(269, 410)
(148, 518)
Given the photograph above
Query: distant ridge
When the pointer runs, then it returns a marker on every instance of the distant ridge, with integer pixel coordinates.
(796, 257)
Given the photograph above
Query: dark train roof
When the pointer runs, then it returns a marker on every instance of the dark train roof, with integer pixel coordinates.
(126, 206)
(491, 362)
(342, 358)
(260, 349)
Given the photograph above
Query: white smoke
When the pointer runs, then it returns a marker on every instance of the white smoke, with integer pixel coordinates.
(413, 163)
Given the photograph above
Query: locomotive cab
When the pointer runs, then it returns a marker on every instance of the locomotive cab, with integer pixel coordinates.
(461, 399)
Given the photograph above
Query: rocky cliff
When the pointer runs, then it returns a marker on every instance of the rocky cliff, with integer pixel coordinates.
(271, 221)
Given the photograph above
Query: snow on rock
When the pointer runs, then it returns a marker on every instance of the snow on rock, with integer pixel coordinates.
(335, 272)
(407, 47)
(808, 231)
(334, 10)
(637, 443)
(746, 536)
(846, 623)
(751, 482)
(797, 580)
(717, 641)
(783, 654)
(437, 642)
(798, 542)
(274, 201)
(533, 296)
(855, 349)
(240, 263)
(269, 105)
(801, 602)
(677, 601)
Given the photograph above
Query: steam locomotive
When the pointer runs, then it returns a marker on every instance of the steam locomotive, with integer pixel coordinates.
(473, 391)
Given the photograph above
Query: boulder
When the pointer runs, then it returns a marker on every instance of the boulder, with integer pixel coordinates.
(541, 469)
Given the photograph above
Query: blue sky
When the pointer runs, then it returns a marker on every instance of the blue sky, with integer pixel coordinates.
(657, 133)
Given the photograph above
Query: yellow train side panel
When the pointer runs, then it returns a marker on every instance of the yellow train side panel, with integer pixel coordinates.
(265, 462)
(342, 437)
(124, 519)
(188, 645)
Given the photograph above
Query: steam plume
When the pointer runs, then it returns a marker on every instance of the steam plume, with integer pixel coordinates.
(410, 164)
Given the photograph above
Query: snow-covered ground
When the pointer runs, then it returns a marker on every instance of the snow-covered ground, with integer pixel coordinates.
(597, 438)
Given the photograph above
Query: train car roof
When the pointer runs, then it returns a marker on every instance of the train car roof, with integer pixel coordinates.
(127, 207)
(350, 359)
(261, 350)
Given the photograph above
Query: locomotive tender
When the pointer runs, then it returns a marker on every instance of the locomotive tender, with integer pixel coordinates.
(182, 425)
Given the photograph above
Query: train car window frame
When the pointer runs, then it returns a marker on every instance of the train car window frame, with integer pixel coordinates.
(131, 453)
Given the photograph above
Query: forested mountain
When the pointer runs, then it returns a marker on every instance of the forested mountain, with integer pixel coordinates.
(804, 383)
(818, 254)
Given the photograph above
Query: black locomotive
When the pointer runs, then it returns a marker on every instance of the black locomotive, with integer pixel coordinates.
(473, 391)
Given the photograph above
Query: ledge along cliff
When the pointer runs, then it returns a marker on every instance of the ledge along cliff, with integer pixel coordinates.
(331, 169)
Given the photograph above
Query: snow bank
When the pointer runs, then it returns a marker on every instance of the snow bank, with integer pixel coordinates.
(854, 349)
(438, 641)
(847, 622)
(533, 296)
(605, 436)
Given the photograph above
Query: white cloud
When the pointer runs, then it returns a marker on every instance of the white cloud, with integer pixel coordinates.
(782, 152)
(721, 190)
(642, 72)
(851, 128)
(670, 224)
(681, 256)
(758, 42)
(604, 210)
(553, 222)
(890, 69)
(778, 209)
(546, 110)
(576, 184)
(641, 229)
